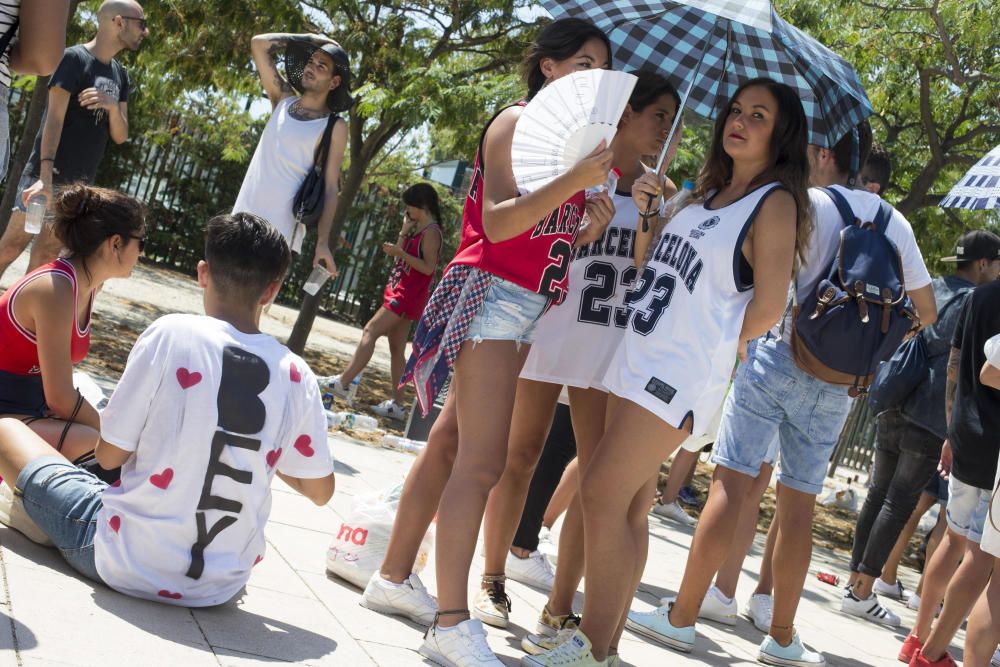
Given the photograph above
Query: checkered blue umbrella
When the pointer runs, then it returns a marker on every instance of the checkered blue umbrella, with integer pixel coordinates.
(707, 48)
(979, 189)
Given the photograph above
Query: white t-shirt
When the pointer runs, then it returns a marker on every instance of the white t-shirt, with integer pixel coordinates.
(575, 341)
(210, 413)
(991, 537)
(824, 243)
(992, 351)
(283, 158)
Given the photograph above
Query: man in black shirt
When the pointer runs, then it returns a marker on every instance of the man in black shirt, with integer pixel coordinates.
(87, 105)
(969, 455)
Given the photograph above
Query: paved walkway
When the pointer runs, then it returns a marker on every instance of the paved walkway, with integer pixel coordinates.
(291, 611)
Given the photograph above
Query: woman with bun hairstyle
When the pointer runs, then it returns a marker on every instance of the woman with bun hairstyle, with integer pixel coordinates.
(417, 252)
(512, 265)
(45, 317)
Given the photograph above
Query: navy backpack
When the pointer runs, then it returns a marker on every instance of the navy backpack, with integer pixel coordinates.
(859, 314)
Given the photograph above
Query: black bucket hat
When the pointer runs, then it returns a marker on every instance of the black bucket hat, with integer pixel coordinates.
(297, 54)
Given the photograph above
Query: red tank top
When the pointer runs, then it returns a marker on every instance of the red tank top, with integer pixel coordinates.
(18, 345)
(539, 258)
(405, 282)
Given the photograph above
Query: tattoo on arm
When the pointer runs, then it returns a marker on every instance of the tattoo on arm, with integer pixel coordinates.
(276, 46)
(954, 358)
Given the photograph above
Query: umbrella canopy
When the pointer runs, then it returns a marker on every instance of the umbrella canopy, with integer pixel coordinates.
(710, 47)
(979, 189)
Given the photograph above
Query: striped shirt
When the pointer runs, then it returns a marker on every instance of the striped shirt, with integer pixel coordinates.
(9, 11)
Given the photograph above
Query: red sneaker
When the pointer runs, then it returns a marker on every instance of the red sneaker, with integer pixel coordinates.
(909, 647)
(918, 660)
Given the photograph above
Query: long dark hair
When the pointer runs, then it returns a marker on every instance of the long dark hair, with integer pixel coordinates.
(558, 40)
(649, 87)
(788, 161)
(423, 195)
(86, 216)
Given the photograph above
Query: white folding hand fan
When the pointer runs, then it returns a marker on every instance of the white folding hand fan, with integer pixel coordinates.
(565, 122)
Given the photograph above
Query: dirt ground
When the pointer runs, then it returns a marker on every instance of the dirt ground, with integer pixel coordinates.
(127, 307)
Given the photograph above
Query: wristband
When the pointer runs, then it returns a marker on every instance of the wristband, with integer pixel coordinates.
(47, 159)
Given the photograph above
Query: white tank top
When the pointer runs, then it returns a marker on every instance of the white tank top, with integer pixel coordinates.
(685, 314)
(283, 157)
(575, 341)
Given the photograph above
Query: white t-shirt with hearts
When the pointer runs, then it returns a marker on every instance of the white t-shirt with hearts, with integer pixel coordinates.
(210, 413)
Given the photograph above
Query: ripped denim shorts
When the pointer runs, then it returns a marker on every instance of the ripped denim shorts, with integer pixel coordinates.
(509, 312)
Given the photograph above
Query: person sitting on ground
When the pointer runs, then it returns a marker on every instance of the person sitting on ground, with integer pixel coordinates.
(417, 252)
(207, 411)
(45, 321)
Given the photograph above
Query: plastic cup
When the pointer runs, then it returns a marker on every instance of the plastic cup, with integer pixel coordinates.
(316, 280)
(35, 215)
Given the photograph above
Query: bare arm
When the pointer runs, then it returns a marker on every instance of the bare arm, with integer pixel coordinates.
(923, 301)
(644, 189)
(772, 253)
(109, 456)
(331, 178)
(41, 37)
(954, 359)
(55, 115)
(318, 490)
(505, 214)
(430, 248)
(990, 375)
(265, 49)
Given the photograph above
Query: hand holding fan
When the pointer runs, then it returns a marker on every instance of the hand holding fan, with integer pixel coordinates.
(565, 122)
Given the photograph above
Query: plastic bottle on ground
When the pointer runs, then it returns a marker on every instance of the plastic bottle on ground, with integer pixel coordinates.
(402, 444)
(351, 420)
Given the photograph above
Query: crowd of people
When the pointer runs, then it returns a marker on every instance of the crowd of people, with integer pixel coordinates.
(589, 333)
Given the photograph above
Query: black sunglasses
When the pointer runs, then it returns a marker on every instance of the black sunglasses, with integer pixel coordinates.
(142, 242)
(142, 22)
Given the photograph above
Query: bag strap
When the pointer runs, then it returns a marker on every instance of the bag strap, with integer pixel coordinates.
(8, 36)
(846, 212)
(319, 158)
(70, 421)
(883, 216)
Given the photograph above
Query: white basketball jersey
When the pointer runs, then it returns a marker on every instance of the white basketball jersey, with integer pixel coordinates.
(575, 341)
(685, 312)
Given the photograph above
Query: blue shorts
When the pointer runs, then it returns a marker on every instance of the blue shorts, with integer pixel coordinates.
(967, 510)
(64, 502)
(772, 398)
(509, 312)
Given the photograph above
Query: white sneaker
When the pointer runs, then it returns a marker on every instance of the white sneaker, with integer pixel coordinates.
(913, 602)
(995, 661)
(492, 605)
(714, 607)
(535, 570)
(675, 512)
(390, 409)
(892, 591)
(463, 645)
(332, 383)
(574, 652)
(409, 599)
(869, 609)
(759, 609)
(547, 546)
(538, 643)
(13, 515)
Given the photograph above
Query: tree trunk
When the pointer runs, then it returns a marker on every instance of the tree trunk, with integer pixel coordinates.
(32, 121)
(310, 303)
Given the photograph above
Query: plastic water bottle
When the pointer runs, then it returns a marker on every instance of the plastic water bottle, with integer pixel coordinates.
(35, 214)
(352, 390)
(678, 201)
(351, 420)
(402, 444)
(609, 186)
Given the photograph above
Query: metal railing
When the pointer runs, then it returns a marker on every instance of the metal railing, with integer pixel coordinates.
(856, 446)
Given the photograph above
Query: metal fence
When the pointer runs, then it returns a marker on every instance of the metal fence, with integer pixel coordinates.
(856, 446)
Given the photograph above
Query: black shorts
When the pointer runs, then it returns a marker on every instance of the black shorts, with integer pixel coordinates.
(22, 395)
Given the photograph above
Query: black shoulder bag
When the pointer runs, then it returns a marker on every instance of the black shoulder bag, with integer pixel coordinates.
(308, 204)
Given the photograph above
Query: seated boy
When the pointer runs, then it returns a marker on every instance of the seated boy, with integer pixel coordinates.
(207, 411)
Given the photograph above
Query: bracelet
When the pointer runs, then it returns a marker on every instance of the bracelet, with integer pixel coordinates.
(649, 216)
(47, 159)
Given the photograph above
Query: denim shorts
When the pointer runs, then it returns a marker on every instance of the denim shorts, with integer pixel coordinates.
(509, 312)
(967, 509)
(772, 398)
(27, 180)
(64, 502)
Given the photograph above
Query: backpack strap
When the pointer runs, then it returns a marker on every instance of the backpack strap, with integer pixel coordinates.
(883, 216)
(846, 212)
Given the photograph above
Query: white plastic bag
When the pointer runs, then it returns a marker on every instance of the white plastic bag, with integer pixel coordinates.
(359, 545)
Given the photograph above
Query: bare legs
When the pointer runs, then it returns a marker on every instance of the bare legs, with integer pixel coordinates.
(422, 493)
(534, 407)
(940, 569)
(14, 240)
(564, 494)
(612, 487)
(383, 323)
(79, 439)
(681, 469)
(746, 529)
(20, 445)
(484, 406)
(983, 631)
(793, 549)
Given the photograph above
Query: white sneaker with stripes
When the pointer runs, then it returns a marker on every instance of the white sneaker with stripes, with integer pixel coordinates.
(869, 609)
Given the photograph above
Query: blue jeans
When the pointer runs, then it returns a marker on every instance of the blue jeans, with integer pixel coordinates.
(509, 312)
(772, 397)
(64, 502)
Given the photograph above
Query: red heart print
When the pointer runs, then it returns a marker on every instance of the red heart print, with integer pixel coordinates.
(115, 522)
(163, 479)
(295, 374)
(303, 443)
(272, 457)
(187, 379)
(169, 594)
(116, 483)
(258, 559)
